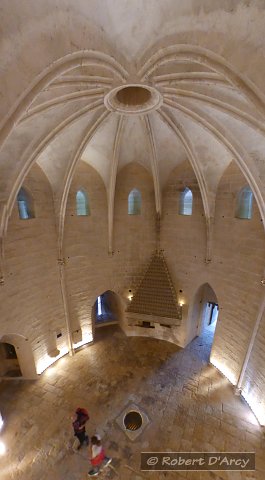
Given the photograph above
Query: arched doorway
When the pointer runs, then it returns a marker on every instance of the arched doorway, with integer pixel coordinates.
(203, 319)
(16, 357)
(9, 365)
(106, 310)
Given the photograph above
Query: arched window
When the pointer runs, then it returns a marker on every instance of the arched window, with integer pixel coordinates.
(244, 203)
(134, 202)
(82, 203)
(185, 202)
(25, 205)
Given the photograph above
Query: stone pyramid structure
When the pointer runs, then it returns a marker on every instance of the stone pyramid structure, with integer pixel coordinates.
(156, 294)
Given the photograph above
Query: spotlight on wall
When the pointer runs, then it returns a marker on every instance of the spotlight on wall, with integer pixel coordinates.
(86, 338)
(47, 361)
(2, 448)
(130, 295)
(256, 406)
(224, 369)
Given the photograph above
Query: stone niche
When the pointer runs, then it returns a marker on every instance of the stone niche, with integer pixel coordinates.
(155, 299)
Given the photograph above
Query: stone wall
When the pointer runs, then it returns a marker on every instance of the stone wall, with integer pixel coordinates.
(30, 300)
(237, 269)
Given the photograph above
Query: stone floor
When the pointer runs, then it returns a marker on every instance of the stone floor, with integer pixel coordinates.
(191, 406)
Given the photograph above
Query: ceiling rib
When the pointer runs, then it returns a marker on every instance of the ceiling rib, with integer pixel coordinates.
(154, 163)
(207, 199)
(62, 200)
(91, 94)
(113, 177)
(219, 104)
(237, 151)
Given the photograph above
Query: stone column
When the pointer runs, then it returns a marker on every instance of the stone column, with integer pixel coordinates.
(250, 347)
(61, 263)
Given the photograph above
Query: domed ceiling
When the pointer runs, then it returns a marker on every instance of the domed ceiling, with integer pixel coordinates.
(142, 98)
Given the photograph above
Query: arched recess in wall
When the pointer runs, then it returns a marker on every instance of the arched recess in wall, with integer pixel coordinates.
(24, 354)
(203, 312)
(107, 310)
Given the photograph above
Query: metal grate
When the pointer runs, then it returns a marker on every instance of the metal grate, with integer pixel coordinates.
(133, 421)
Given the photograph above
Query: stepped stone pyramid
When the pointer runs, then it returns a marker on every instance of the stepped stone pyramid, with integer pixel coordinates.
(156, 295)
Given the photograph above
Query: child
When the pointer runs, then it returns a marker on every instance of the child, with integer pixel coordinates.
(97, 456)
(79, 426)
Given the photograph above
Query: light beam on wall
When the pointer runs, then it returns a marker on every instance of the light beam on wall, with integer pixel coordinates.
(224, 369)
(86, 338)
(47, 361)
(1, 422)
(2, 448)
(256, 406)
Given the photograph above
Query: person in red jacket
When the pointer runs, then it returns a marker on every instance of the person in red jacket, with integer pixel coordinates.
(79, 426)
(98, 458)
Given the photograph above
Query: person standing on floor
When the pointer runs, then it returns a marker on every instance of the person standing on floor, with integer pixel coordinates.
(98, 458)
(79, 426)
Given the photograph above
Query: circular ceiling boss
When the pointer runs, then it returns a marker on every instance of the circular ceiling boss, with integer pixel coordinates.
(133, 99)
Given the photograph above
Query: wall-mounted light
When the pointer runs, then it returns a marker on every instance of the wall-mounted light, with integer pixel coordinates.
(130, 295)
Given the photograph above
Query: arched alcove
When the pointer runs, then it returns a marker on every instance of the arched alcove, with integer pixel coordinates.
(16, 356)
(107, 310)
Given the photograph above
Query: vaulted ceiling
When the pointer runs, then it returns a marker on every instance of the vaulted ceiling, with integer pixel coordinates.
(116, 81)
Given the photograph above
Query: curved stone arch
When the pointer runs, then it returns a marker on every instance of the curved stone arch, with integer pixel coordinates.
(207, 199)
(93, 94)
(113, 177)
(218, 104)
(70, 173)
(31, 158)
(53, 71)
(24, 353)
(211, 60)
(30, 155)
(195, 311)
(227, 139)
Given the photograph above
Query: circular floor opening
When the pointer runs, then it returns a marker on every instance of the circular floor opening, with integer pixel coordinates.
(133, 421)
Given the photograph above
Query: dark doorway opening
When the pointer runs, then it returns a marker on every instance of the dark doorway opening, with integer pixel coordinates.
(9, 361)
(204, 319)
(106, 309)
